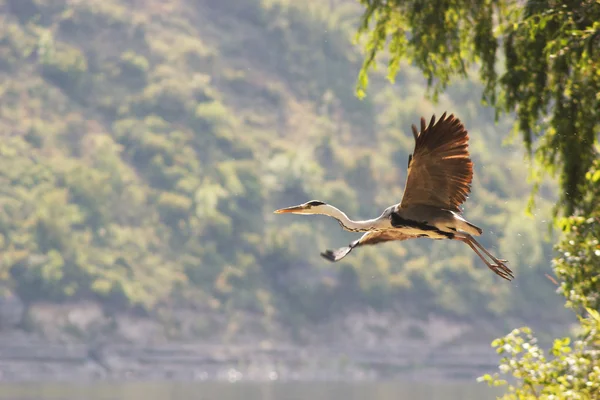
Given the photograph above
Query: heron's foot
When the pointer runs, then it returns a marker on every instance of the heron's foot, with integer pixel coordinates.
(502, 270)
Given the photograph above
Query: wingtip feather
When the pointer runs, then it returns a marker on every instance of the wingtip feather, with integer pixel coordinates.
(415, 131)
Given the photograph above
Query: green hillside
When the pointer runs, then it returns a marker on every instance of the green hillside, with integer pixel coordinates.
(145, 145)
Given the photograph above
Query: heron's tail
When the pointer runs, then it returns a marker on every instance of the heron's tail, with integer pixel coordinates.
(468, 227)
(473, 230)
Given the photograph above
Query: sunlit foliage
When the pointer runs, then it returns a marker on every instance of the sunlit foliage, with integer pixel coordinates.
(573, 371)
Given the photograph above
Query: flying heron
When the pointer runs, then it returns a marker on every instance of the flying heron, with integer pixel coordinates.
(438, 181)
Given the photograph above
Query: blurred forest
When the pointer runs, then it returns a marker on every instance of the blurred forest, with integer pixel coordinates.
(146, 143)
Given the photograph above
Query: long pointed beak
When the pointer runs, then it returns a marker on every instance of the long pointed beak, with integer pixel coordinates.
(294, 209)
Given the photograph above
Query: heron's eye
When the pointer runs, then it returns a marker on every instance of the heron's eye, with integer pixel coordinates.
(315, 203)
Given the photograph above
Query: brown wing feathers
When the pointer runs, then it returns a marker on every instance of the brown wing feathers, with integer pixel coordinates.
(440, 169)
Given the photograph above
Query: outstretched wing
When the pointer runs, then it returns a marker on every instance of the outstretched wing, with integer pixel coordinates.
(440, 169)
(368, 238)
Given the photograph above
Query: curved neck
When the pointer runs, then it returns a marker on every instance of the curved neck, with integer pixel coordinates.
(345, 222)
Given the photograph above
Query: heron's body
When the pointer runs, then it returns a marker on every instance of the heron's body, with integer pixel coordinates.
(439, 177)
(431, 222)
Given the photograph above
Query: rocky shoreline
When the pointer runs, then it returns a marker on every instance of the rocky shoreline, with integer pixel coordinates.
(78, 342)
(28, 359)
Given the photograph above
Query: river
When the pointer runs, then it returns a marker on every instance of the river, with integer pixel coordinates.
(246, 391)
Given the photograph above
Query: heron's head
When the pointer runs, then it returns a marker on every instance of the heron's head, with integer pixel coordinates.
(311, 207)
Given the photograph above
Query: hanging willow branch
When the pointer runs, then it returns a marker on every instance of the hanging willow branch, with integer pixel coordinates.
(551, 78)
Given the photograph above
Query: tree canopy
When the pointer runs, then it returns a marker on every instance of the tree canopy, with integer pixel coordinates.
(538, 58)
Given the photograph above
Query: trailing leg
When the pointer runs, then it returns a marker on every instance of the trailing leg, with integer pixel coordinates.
(498, 266)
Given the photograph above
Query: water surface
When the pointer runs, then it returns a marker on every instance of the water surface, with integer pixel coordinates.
(246, 391)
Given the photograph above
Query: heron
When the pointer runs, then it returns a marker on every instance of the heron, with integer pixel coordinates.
(438, 182)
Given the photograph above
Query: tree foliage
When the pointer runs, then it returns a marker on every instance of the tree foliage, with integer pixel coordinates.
(146, 153)
(573, 372)
(550, 54)
(538, 59)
